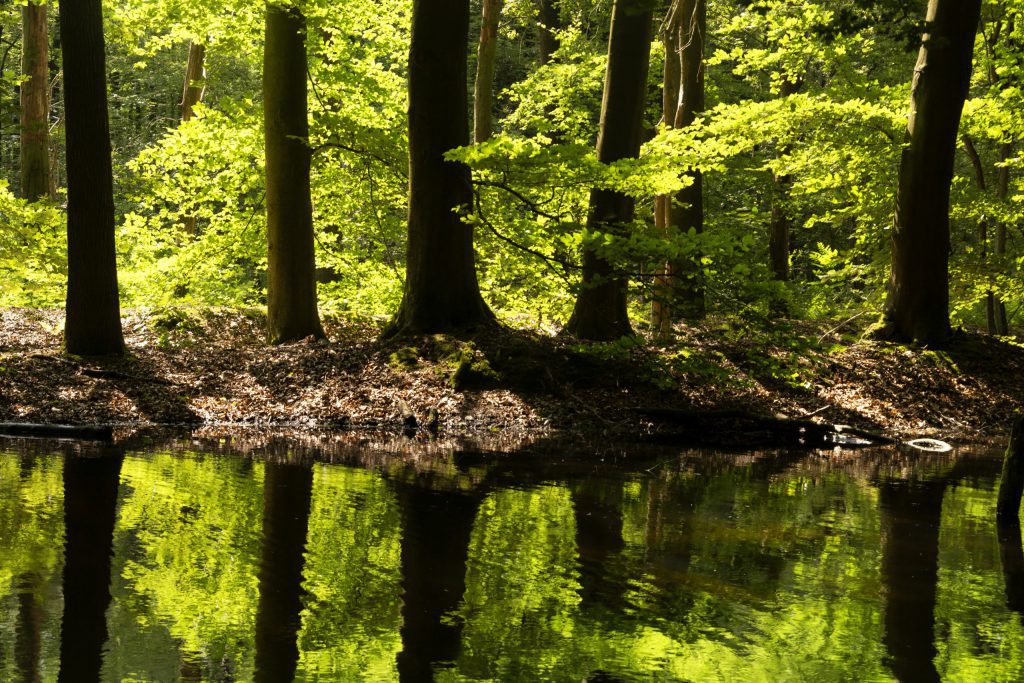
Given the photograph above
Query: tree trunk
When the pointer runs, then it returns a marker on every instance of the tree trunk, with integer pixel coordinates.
(195, 80)
(93, 325)
(291, 269)
(287, 497)
(982, 185)
(441, 289)
(661, 306)
(917, 307)
(35, 104)
(1001, 324)
(550, 21)
(192, 94)
(687, 211)
(601, 313)
(483, 91)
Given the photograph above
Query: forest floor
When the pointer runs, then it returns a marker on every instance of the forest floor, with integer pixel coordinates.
(213, 368)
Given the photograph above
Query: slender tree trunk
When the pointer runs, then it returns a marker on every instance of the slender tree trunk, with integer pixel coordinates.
(287, 498)
(195, 80)
(781, 223)
(981, 184)
(291, 269)
(483, 91)
(191, 95)
(601, 312)
(441, 289)
(550, 21)
(1001, 323)
(687, 211)
(93, 325)
(661, 306)
(917, 307)
(35, 104)
(28, 642)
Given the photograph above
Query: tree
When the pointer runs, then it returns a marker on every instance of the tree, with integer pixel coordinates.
(917, 307)
(550, 22)
(441, 290)
(291, 269)
(600, 313)
(35, 103)
(195, 80)
(483, 90)
(685, 38)
(93, 325)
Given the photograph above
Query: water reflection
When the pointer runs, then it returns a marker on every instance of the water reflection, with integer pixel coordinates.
(189, 566)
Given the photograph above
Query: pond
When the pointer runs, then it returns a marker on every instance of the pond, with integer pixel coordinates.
(194, 562)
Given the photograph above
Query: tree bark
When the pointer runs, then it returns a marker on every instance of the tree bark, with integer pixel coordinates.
(93, 325)
(661, 306)
(1000, 322)
(483, 91)
(601, 312)
(917, 307)
(687, 210)
(195, 80)
(441, 289)
(780, 226)
(35, 104)
(550, 21)
(291, 269)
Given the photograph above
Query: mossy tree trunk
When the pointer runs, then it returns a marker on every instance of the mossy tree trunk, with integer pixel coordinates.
(441, 289)
(600, 313)
(917, 307)
(93, 325)
(35, 103)
(291, 269)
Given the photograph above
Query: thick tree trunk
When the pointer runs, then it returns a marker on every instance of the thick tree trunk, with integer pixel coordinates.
(687, 211)
(287, 497)
(483, 91)
(550, 21)
(441, 289)
(195, 80)
(291, 269)
(917, 307)
(93, 325)
(35, 104)
(601, 313)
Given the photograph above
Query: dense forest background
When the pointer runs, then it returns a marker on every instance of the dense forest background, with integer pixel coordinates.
(796, 150)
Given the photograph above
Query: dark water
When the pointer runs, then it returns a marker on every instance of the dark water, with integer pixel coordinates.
(176, 565)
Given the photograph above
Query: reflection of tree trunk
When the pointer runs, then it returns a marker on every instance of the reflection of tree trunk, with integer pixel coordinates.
(436, 528)
(28, 640)
(911, 513)
(287, 495)
(90, 504)
(598, 508)
(1011, 557)
(191, 669)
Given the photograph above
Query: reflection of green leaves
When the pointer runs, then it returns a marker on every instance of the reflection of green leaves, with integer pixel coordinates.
(350, 625)
(188, 537)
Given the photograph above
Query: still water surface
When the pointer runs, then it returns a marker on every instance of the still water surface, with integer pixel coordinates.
(176, 564)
